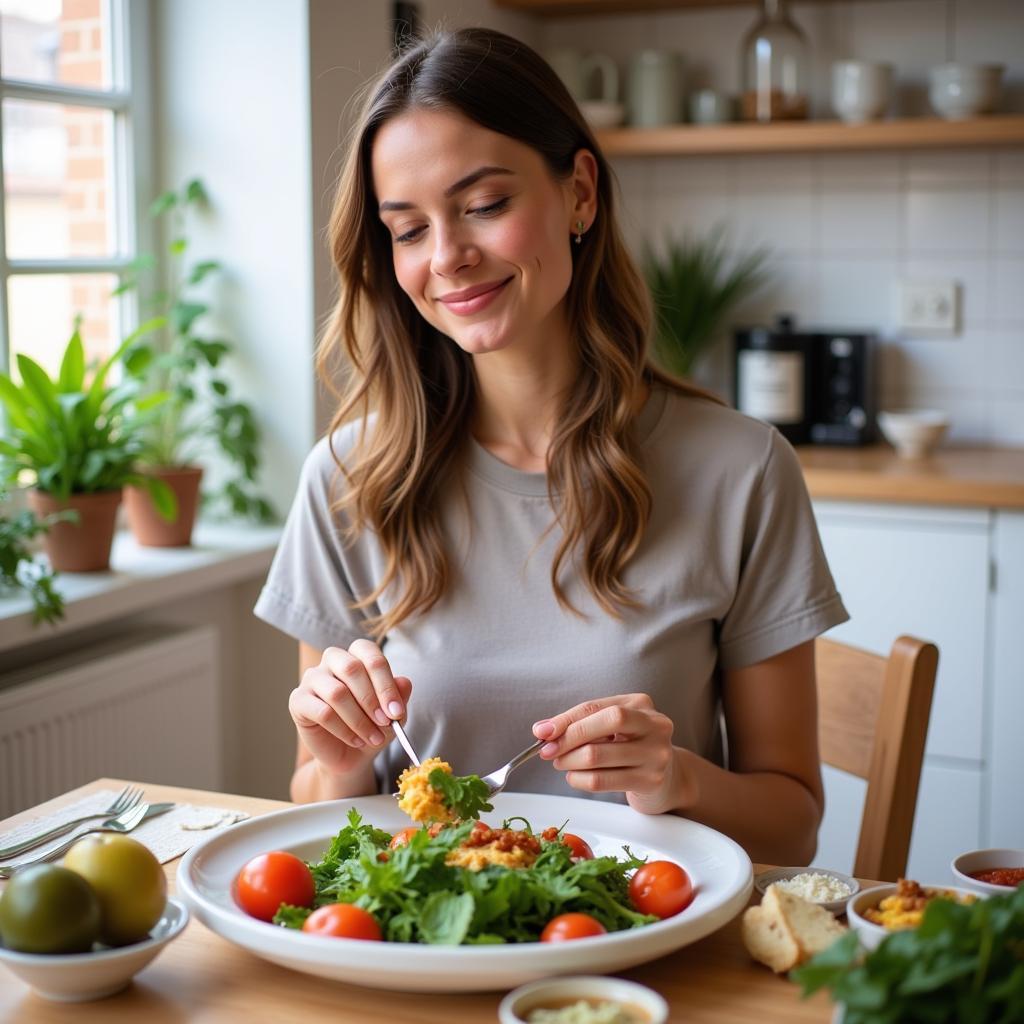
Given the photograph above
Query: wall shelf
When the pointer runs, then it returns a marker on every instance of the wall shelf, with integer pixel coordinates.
(819, 136)
(568, 8)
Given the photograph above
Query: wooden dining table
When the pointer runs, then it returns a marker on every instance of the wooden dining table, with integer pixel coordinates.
(201, 977)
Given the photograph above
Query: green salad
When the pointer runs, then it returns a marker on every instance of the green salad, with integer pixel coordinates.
(416, 897)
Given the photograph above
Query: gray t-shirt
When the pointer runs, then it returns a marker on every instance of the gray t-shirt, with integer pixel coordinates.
(730, 571)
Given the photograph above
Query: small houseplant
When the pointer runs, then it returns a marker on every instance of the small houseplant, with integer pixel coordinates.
(693, 287)
(185, 363)
(19, 570)
(77, 438)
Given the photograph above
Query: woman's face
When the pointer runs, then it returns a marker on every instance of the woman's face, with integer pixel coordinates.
(480, 229)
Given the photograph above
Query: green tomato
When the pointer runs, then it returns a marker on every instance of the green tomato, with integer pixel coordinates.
(48, 909)
(128, 880)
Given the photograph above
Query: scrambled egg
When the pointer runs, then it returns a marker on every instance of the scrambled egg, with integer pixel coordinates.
(905, 907)
(417, 797)
(479, 857)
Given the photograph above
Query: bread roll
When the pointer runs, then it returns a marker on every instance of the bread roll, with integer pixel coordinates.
(785, 931)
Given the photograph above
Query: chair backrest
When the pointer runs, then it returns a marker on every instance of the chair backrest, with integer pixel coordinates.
(872, 722)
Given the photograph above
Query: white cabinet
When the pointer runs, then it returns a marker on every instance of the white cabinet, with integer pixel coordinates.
(927, 572)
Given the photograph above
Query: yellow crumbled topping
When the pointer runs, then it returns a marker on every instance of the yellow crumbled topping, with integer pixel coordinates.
(417, 797)
(479, 857)
(905, 907)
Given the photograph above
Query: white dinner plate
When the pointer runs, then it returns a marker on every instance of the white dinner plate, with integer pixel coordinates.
(720, 871)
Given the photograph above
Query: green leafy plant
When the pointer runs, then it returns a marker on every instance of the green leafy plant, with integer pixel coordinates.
(77, 434)
(20, 571)
(694, 286)
(964, 964)
(186, 364)
(464, 795)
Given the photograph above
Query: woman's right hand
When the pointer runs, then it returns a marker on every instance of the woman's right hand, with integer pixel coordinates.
(343, 707)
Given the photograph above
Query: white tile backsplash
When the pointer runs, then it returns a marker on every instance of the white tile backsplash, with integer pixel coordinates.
(846, 227)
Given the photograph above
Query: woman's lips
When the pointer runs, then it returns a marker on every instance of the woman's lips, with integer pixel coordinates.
(476, 300)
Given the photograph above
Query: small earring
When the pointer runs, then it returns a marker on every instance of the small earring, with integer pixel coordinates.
(579, 232)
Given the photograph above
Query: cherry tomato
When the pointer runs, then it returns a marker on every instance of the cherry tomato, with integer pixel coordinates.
(566, 927)
(580, 847)
(271, 879)
(402, 837)
(343, 921)
(660, 888)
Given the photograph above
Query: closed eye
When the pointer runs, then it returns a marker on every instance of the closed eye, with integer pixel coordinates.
(491, 208)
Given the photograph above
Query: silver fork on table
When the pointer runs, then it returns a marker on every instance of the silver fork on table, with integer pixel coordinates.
(124, 822)
(498, 780)
(128, 798)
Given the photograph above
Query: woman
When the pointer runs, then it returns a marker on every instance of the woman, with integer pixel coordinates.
(515, 516)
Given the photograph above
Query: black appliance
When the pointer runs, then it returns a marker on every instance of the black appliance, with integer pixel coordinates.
(816, 386)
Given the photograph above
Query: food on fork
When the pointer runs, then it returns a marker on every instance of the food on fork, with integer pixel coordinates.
(429, 792)
(785, 930)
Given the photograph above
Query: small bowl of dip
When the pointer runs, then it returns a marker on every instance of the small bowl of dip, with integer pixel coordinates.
(829, 889)
(990, 871)
(583, 999)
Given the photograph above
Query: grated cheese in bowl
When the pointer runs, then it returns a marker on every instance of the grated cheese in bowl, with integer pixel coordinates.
(816, 887)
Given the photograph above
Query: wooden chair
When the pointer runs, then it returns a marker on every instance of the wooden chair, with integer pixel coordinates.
(872, 722)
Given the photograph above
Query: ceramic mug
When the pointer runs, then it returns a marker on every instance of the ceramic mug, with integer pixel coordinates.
(655, 88)
(708, 106)
(575, 70)
(860, 89)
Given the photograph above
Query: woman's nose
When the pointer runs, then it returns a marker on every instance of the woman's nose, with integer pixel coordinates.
(452, 252)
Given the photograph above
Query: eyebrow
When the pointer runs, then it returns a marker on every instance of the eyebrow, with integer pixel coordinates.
(459, 186)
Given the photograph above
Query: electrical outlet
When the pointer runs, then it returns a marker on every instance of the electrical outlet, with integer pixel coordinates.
(928, 307)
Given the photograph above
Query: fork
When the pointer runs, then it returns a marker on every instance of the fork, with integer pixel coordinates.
(128, 798)
(124, 822)
(498, 780)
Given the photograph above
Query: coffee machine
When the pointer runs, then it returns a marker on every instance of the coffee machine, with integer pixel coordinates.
(816, 386)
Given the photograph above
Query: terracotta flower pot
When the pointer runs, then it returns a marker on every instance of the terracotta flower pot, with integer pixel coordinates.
(83, 546)
(150, 528)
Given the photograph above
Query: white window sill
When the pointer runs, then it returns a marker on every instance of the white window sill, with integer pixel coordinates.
(141, 578)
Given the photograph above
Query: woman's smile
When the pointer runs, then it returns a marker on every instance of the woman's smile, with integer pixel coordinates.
(471, 300)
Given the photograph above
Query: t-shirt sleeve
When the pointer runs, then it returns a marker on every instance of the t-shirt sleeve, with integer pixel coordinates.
(309, 590)
(785, 593)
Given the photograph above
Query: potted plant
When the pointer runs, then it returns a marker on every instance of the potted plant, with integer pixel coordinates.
(200, 412)
(78, 438)
(18, 568)
(693, 287)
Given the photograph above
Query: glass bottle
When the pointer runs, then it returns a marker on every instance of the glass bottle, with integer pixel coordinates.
(775, 67)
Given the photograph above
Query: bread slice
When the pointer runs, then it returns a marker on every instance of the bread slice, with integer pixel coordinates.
(785, 930)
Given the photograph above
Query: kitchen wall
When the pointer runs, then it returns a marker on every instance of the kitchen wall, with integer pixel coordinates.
(845, 228)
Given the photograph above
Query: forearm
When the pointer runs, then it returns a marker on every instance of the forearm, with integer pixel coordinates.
(774, 817)
(311, 782)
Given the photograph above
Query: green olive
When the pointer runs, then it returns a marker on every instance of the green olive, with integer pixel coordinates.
(48, 909)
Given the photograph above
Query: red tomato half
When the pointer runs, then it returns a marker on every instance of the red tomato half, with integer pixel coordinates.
(571, 926)
(402, 837)
(343, 921)
(580, 847)
(660, 888)
(271, 879)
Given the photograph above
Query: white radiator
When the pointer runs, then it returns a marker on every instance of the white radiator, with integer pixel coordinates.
(144, 706)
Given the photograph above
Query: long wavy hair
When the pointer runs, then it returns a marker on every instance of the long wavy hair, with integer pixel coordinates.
(422, 385)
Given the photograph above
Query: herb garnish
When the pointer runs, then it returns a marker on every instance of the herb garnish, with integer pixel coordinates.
(962, 964)
(464, 795)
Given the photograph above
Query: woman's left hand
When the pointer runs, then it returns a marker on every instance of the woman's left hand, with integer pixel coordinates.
(620, 744)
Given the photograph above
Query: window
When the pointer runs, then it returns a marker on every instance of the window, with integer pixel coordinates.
(71, 152)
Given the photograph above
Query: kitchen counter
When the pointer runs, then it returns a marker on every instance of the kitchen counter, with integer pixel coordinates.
(978, 477)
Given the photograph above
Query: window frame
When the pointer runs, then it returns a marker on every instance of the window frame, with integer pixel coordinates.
(130, 100)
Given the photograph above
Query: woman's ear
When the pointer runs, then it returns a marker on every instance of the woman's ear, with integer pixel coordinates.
(584, 191)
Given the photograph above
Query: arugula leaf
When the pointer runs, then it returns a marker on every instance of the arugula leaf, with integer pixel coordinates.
(464, 795)
(964, 964)
(291, 917)
(445, 918)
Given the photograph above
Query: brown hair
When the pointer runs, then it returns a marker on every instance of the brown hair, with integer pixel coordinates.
(422, 385)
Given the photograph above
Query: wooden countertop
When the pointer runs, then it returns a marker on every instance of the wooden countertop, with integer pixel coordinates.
(203, 978)
(981, 477)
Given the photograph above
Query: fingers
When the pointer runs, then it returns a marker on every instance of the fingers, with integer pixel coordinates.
(553, 728)
(624, 717)
(388, 696)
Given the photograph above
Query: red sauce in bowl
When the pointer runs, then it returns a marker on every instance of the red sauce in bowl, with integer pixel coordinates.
(1009, 877)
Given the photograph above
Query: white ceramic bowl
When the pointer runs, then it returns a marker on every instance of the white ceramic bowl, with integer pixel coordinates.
(959, 91)
(516, 1007)
(984, 860)
(860, 89)
(871, 934)
(602, 113)
(77, 977)
(766, 878)
(913, 432)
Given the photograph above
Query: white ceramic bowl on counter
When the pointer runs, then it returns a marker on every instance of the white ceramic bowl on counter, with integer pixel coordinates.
(871, 934)
(838, 906)
(986, 860)
(552, 993)
(913, 432)
(960, 91)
